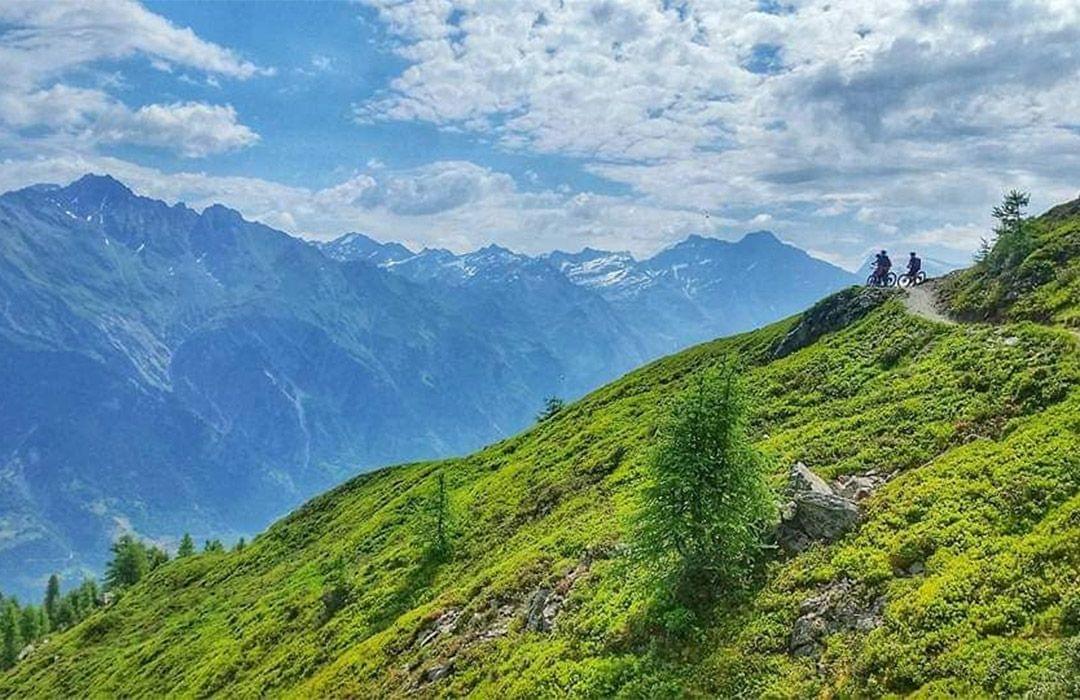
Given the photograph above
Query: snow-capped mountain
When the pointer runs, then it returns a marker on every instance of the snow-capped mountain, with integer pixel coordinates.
(696, 289)
(357, 246)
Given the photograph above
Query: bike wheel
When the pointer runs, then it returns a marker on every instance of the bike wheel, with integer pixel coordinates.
(920, 278)
(871, 281)
(890, 280)
(904, 280)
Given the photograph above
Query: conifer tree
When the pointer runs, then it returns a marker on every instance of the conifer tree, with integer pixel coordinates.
(155, 557)
(52, 599)
(65, 614)
(88, 595)
(10, 639)
(187, 546)
(437, 521)
(128, 565)
(707, 504)
(29, 624)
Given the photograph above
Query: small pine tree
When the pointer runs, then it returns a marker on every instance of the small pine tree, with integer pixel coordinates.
(240, 544)
(707, 504)
(1011, 240)
(187, 546)
(155, 557)
(437, 521)
(52, 598)
(129, 563)
(213, 546)
(552, 405)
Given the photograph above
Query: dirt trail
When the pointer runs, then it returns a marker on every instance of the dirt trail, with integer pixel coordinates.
(922, 301)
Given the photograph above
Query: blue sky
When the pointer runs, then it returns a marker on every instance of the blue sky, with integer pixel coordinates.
(842, 126)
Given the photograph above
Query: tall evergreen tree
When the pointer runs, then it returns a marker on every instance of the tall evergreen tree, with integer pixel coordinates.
(65, 614)
(187, 546)
(30, 624)
(1012, 242)
(88, 595)
(10, 638)
(52, 599)
(1010, 213)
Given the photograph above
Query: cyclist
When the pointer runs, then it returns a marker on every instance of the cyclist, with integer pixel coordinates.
(882, 264)
(914, 264)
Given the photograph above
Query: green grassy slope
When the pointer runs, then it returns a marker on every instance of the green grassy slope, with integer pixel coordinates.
(982, 424)
(1039, 282)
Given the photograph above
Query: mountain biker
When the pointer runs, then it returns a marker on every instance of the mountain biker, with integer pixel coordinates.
(882, 264)
(914, 264)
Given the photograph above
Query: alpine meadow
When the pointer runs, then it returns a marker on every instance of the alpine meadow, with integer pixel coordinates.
(613, 349)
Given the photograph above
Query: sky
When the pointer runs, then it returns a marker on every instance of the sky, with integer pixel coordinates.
(844, 126)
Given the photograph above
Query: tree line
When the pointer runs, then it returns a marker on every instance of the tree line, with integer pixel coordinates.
(22, 626)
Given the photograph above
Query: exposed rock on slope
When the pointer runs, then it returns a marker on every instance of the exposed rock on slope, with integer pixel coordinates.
(819, 512)
(831, 314)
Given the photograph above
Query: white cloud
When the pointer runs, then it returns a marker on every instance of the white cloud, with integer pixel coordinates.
(194, 129)
(918, 112)
(89, 117)
(45, 39)
(44, 42)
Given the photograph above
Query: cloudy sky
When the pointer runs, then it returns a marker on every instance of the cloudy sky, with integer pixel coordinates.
(841, 125)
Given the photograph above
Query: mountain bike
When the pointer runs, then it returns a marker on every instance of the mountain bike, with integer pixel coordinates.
(887, 280)
(906, 280)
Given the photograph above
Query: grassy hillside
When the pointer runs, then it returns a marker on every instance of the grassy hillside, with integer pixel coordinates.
(1036, 277)
(969, 558)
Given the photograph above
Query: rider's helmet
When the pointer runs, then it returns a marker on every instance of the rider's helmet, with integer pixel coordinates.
(884, 253)
(913, 253)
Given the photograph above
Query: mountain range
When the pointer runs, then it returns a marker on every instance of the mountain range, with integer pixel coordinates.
(924, 445)
(169, 370)
(695, 290)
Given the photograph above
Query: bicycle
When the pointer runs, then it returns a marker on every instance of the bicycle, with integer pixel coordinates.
(906, 280)
(875, 280)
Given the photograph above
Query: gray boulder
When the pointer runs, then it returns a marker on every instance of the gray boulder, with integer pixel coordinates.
(801, 479)
(813, 513)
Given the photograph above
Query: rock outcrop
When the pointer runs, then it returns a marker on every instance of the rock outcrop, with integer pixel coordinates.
(816, 512)
(838, 607)
(831, 314)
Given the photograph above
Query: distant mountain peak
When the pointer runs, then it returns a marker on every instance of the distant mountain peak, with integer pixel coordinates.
(359, 246)
(496, 248)
(761, 237)
(97, 188)
(219, 214)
